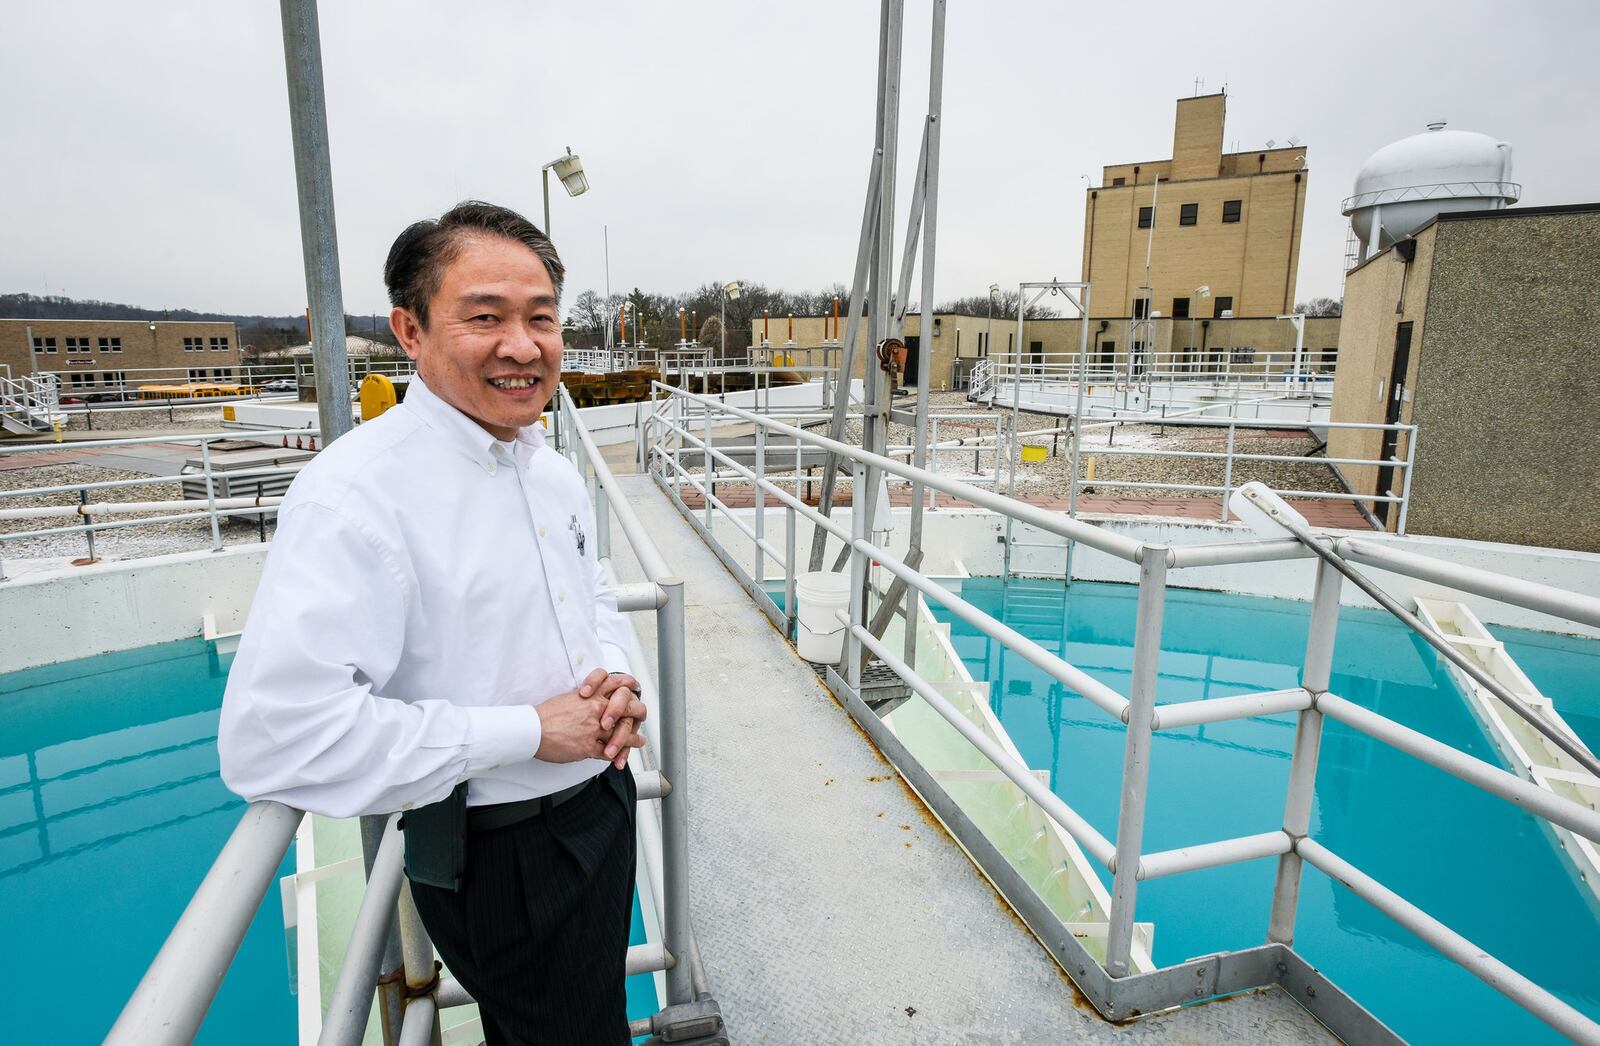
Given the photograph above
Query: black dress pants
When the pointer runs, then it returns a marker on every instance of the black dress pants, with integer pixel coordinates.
(538, 932)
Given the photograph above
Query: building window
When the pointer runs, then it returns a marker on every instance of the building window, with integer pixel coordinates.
(1231, 210)
(1224, 304)
(78, 379)
(110, 344)
(44, 345)
(1141, 308)
(1242, 354)
(197, 374)
(219, 344)
(77, 344)
(1180, 308)
(1116, 182)
(194, 344)
(1188, 214)
(117, 378)
(1147, 217)
(1108, 353)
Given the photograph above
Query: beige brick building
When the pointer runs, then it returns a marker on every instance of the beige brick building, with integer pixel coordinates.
(1481, 329)
(90, 355)
(1227, 221)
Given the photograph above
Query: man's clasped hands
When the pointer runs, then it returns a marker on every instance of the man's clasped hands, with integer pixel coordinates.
(599, 720)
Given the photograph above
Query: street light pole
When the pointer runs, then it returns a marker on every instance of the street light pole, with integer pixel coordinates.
(570, 170)
(729, 290)
(988, 339)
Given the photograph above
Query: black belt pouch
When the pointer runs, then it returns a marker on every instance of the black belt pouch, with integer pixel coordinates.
(436, 841)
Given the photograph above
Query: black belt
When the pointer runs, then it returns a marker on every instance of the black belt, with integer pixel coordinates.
(499, 815)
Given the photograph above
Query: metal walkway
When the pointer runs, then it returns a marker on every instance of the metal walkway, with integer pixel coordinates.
(829, 906)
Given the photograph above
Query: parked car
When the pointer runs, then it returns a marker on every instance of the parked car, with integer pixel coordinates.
(279, 385)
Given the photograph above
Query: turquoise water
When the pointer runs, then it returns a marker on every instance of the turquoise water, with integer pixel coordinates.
(111, 811)
(1473, 861)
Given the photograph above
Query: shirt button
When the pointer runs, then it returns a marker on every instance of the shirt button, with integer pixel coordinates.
(561, 597)
(580, 660)
(541, 532)
(488, 466)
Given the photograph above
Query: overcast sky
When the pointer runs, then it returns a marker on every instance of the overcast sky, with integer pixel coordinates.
(148, 154)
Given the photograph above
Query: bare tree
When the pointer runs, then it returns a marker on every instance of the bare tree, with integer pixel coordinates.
(1321, 307)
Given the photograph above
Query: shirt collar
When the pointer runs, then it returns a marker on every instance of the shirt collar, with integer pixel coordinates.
(464, 434)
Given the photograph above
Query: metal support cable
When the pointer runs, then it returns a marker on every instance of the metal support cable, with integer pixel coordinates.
(1569, 745)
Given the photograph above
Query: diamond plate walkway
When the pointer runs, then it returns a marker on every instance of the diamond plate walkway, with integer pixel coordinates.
(830, 907)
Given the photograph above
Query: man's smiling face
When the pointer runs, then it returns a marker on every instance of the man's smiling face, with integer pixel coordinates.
(492, 344)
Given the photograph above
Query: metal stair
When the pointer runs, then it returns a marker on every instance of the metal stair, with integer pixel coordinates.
(30, 404)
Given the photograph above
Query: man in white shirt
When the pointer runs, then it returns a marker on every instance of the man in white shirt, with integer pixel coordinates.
(433, 634)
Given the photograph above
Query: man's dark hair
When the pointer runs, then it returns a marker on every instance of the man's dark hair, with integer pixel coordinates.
(417, 261)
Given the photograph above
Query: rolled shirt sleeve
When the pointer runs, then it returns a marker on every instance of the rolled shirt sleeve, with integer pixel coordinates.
(303, 722)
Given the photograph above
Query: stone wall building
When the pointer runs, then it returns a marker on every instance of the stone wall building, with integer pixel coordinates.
(1483, 329)
(91, 355)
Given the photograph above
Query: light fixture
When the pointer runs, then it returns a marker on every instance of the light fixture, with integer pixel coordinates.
(731, 289)
(1203, 291)
(570, 170)
(994, 288)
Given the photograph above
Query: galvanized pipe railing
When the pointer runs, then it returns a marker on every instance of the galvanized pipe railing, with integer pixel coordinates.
(176, 991)
(1291, 844)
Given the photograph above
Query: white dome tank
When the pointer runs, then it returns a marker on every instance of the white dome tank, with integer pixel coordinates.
(1406, 183)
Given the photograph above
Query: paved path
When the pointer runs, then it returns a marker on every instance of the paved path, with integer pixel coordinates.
(154, 459)
(830, 906)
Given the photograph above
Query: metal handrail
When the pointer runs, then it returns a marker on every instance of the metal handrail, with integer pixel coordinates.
(1292, 844)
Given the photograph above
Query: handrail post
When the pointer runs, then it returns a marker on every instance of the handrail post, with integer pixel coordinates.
(211, 496)
(788, 573)
(1405, 487)
(391, 1000)
(706, 465)
(602, 521)
(1307, 747)
(858, 575)
(88, 520)
(761, 506)
(1136, 758)
(417, 949)
(1227, 467)
(671, 683)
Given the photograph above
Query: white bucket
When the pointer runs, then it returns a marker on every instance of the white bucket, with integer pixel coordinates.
(819, 595)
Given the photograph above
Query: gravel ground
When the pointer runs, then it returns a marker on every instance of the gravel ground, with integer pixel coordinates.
(153, 539)
(183, 419)
(1049, 477)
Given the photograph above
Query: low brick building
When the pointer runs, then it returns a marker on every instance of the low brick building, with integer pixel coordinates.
(89, 355)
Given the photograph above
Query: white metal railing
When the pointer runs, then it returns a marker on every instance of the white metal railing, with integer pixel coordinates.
(89, 517)
(177, 990)
(1401, 467)
(1245, 365)
(1108, 985)
(29, 403)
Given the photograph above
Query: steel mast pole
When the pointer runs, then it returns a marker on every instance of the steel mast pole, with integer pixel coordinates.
(930, 227)
(319, 243)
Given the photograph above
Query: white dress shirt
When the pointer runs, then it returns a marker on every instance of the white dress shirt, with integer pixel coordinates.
(427, 587)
